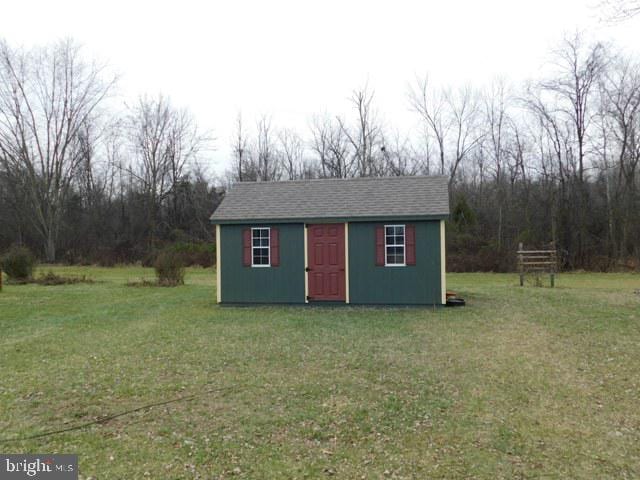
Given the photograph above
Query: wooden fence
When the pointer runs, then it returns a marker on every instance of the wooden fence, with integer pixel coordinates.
(538, 262)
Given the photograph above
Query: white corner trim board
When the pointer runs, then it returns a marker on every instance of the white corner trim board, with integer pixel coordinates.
(306, 266)
(346, 262)
(218, 265)
(443, 269)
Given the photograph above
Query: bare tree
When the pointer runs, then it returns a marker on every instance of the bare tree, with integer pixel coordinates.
(400, 156)
(292, 152)
(47, 97)
(268, 167)
(113, 157)
(619, 10)
(366, 135)
(554, 140)
(241, 152)
(451, 117)
(333, 147)
(464, 108)
(568, 99)
(579, 68)
(319, 127)
(497, 121)
(164, 140)
(93, 175)
(430, 106)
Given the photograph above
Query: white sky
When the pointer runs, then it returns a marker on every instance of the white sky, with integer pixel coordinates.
(291, 59)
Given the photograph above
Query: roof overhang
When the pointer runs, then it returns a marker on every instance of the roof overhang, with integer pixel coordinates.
(396, 218)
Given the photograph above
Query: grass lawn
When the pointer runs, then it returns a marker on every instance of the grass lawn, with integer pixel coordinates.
(521, 383)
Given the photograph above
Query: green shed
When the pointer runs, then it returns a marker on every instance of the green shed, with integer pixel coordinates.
(373, 240)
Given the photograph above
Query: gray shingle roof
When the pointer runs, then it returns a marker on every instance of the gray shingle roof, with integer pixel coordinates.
(368, 197)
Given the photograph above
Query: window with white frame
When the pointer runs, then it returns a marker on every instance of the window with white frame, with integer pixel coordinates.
(394, 245)
(260, 243)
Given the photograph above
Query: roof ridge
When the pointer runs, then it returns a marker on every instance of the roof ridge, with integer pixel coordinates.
(339, 179)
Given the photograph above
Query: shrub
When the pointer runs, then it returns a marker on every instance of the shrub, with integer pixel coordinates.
(169, 268)
(18, 263)
(51, 278)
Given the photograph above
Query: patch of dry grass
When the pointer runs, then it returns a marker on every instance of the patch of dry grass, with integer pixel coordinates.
(51, 279)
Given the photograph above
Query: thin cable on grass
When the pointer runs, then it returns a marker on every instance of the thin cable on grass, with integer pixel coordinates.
(108, 418)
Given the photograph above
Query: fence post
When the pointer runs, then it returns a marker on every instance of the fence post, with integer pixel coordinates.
(554, 267)
(520, 264)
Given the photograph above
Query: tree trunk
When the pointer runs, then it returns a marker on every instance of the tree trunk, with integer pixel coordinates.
(499, 243)
(50, 247)
(613, 247)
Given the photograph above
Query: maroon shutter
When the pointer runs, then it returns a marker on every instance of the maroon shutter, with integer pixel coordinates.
(275, 247)
(380, 245)
(410, 244)
(246, 247)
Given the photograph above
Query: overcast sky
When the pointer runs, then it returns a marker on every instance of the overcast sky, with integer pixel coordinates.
(290, 59)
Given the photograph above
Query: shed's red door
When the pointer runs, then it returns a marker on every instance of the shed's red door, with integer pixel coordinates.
(325, 248)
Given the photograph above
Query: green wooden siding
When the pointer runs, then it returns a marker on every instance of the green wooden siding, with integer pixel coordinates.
(282, 284)
(368, 283)
(411, 285)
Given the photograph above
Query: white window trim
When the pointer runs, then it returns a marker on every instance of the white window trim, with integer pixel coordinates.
(404, 246)
(268, 247)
